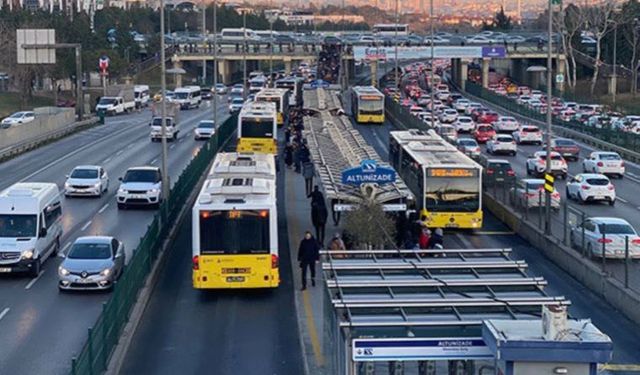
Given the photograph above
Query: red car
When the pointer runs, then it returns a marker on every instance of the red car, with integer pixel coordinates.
(488, 117)
(476, 113)
(483, 133)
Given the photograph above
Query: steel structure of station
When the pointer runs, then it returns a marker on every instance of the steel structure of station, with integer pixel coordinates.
(375, 298)
(335, 146)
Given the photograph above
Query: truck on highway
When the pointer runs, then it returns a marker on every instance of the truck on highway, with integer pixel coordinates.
(118, 99)
(173, 125)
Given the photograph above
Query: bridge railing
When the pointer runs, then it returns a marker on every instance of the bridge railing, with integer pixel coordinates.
(105, 333)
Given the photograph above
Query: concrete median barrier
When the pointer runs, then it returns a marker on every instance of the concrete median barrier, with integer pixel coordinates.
(606, 287)
(50, 123)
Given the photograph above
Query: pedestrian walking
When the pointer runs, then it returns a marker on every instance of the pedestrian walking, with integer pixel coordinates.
(296, 158)
(308, 255)
(337, 244)
(316, 196)
(424, 239)
(319, 214)
(307, 172)
(288, 155)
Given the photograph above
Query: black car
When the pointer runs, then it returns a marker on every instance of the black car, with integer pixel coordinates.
(206, 93)
(498, 172)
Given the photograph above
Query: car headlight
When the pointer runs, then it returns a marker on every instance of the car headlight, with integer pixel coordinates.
(122, 191)
(154, 191)
(27, 254)
(67, 185)
(96, 185)
(63, 271)
(105, 272)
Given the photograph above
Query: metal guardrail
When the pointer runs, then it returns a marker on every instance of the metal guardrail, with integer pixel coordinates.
(607, 139)
(29, 144)
(104, 335)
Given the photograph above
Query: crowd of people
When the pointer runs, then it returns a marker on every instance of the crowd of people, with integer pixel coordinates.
(329, 63)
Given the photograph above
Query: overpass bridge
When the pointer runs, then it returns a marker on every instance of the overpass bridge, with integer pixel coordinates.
(512, 59)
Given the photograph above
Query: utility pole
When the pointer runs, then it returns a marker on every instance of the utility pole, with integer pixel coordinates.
(204, 40)
(163, 107)
(215, 63)
(547, 206)
(396, 46)
(431, 88)
(271, 40)
(615, 63)
(244, 54)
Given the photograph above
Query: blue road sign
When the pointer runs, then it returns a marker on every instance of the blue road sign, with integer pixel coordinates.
(318, 83)
(368, 172)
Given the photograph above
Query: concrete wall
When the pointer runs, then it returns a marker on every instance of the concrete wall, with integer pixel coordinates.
(608, 288)
(543, 368)
(48, 120)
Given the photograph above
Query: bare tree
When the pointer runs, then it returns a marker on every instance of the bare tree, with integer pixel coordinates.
(631, 33)
(569, 23)
(599, 20)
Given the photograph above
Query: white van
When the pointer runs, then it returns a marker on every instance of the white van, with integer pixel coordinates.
(187, 97)
(239, 34)
(30, 226)
(141, 95)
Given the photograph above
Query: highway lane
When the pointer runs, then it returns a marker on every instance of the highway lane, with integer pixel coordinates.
(40, 319)
(223, 332)
(585, 304)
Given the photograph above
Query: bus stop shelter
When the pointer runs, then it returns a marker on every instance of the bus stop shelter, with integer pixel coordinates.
(408, 312)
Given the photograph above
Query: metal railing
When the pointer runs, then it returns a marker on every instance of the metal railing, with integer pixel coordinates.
(103, 336)
(626, 140)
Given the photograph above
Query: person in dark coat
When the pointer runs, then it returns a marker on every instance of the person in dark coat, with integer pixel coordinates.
(319, 214)
(316, 196)
(307, 172)
(296, 158)
(288, 155)
(308, 255)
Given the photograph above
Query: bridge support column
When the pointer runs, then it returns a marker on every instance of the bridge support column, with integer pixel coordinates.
(485, 73)
(224, 70)
(287, 66)
(612, 84)
(464, 74)
(561, 70)
(455, 71)
(177, 78)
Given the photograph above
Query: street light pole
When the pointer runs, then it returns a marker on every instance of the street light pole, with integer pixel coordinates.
(396, 46)
(163, 106)
(431, 88)
(271, 40)
(615, 62)
(547, 211)
(204, 37)
(244, 54)
(215, 63)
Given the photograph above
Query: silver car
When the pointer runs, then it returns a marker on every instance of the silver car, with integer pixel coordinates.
(205, 129)
(92, 263)
(607, 232)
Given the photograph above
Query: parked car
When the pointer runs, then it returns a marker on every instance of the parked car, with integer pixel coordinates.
(95, 262)
(537, 164)
(17, 118)
(590, 187)
(502, 144)
(606, 236)
(604, 162)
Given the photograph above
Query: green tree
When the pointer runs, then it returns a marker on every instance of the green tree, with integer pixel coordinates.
(370, 226)
(500, 22)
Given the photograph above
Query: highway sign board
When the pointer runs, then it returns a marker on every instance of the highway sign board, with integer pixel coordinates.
(424, 52)
(414, 349)
(369, 172)
(36, 37)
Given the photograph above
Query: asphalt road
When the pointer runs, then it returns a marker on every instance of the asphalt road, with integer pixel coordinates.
(187, 331)
(41, 328)
(585, 304)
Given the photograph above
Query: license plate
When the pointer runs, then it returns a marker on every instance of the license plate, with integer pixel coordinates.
(137, 196)
(235, 279)
(452, 225)
(236, 270)
(5, 269)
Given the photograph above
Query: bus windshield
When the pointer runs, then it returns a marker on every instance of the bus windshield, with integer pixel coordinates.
(257, 127)
(234, 232)
(452, 194)
(371, 106)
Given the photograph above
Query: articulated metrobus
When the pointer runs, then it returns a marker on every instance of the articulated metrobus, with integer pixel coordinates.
(294, 85)
(446, 183)
(278, 96)
(235, 224)
(257, 128)
(367, 105)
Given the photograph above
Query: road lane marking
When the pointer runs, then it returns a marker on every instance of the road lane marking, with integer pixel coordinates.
(65, 247)
(622, 200)
(107, 160)
(4, 312)
(119, 152)
(619, 367)
(172, 146)
(33, 281)
(494, 232)
(86, 225)
(103, 208)
(154, 161)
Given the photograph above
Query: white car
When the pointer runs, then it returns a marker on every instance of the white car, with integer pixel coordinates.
(479, 39)
(589, 187)
(502, 144)
(461, 104)
(523, 99)
(529, 192)
(448, 116)
(464, 124)
(442, 94)
(604, 162)
(205, 130)
(528, 134)
(140, 186)
(537, 164)
(506, 124)
(236, 105)
(18, 118)
(536, 94)
(609, 233)
(86, 180)
(471, 107)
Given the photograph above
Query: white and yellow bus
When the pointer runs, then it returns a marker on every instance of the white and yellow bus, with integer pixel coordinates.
(294, 85)
(367, 105)
(235, 224)
(278, 96)
(446, 182)
(257, 128)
